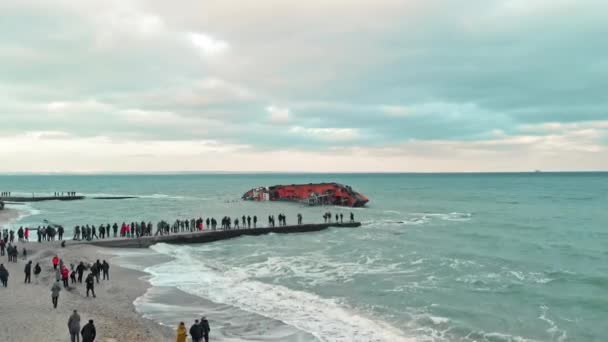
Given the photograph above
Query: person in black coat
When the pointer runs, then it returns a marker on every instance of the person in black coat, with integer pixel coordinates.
(206, 329)
(88, 332)
(105, 268)
(28, 272)
(80, 271)
(37, 270)
(196, 331)
(90, 281)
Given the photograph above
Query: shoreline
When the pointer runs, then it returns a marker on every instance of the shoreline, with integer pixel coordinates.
(8, 215)
(113, 311)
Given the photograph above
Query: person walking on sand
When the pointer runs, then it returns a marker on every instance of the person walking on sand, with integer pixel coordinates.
(88, 332)
(205, 328)
(3, 275)
(28, 272)
(74, 327)
(181, 333)
(196, 331)
(55, 262)
(90, 281)
(37, 271)
(55, 293)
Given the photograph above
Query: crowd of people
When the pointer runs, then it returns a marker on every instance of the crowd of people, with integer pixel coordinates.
(67, 276)
(140, 229)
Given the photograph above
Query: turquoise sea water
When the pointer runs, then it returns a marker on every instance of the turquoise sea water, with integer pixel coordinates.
(441, 257)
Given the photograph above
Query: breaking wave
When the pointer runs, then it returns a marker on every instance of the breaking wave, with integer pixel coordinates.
(326, 319)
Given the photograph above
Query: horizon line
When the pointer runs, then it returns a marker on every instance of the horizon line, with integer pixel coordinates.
(168, 173)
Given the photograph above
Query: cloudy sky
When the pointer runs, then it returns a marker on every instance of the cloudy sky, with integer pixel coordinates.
(318, 85)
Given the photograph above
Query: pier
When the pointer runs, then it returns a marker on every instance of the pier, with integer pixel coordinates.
(34, 198)
(206, 236)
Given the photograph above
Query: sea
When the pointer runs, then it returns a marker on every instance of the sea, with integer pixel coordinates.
(439, 257)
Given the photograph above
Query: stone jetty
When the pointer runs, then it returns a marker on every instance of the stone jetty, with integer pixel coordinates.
(212, 235)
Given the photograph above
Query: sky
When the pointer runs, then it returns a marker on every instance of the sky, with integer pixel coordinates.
(314, 86)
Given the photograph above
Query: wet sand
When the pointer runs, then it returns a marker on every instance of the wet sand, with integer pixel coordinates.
(8, 215)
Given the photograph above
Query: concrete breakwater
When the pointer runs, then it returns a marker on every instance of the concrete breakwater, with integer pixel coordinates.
(34, 198)
(212, 235)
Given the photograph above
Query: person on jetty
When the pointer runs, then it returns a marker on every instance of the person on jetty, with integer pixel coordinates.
(205, 328)
(74, 326)
(55, 294)
(299, 219)
(28, 273)
(196, 331)
(352, 217)
(341, 218)
(90, 281)
(181, 332)
(3, 275)
(88, 332)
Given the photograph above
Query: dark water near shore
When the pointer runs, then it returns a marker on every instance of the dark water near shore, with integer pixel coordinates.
(446, 257)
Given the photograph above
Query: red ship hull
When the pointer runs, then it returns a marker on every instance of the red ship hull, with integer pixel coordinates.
(312, 194)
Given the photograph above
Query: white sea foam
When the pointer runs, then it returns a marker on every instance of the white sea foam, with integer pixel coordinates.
(325, 318)
(556, 333)
(24, 211)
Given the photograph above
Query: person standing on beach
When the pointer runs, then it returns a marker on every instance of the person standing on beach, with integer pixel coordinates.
(105, 267)
(60, 232)
(181, 333)
(55, 262)
(206, 329)
(37, 271)
(90, 281)
(196, 331)
(88, 332)
(2, 247)
(28, 272)
(55, 293)
(3, 275)
(65, 275)
(74, 327)
(80, 271)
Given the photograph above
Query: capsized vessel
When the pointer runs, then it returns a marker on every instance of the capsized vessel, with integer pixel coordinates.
(311, 194)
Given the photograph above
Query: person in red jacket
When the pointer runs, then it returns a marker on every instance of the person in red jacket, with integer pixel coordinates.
(65, 275)
(55, 262)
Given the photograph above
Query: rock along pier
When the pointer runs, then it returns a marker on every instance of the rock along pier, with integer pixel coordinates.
(212, 235)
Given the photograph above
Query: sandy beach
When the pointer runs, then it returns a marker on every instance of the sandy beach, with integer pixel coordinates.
(28, 315)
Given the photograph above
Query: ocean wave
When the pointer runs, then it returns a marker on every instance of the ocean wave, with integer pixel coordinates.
(325, 318)
(23, 211)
